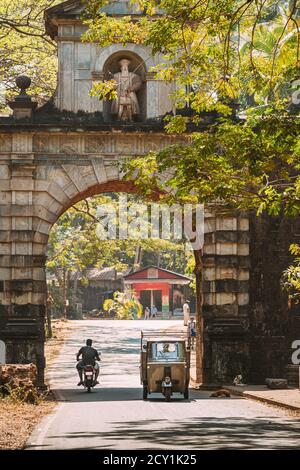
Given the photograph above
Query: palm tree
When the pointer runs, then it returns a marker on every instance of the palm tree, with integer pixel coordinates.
(269, 51)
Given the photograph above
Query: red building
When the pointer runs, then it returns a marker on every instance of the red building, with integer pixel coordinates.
(156, 286)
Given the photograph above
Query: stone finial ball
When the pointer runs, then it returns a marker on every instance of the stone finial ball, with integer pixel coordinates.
(23, 82)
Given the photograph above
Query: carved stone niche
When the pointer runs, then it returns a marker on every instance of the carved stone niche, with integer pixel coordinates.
(112, 67)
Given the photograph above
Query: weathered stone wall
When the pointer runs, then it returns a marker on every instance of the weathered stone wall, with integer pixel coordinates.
(273, 326)
(254, 338)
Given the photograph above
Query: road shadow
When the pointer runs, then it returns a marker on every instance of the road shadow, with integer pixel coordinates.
(118, 394)
(194, 433)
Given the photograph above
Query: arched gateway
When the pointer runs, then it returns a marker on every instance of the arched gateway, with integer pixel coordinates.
(55, 156)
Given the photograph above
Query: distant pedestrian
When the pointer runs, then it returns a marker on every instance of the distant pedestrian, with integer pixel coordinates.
(186, 312)
(147, 313)
(153, 311)
(192, 331)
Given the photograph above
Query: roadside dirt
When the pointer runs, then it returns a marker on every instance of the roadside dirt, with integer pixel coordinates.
(61, 329)
(17, 420)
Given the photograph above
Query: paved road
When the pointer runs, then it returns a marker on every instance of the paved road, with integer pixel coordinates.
(115, 417)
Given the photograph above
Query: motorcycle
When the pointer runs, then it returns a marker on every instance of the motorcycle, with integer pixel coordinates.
(89, 377)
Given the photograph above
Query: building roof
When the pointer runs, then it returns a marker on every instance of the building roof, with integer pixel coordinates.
(110, 274)
(94, 274)
(73, 9)
(104, 274)
(162, 274)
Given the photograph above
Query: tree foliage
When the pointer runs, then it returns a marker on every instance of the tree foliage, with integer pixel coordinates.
(215, 52)
(291, 276)
(74, 245)
(229, 166)
(74, 242)
(124, 305)
(235, 52)
(26, 49)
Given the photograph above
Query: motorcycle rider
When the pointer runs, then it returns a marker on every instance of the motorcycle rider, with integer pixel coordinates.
(89, 357)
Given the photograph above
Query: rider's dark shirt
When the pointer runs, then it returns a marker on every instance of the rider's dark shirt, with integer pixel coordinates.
(89, 355)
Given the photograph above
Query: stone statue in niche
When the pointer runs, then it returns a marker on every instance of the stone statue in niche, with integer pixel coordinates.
(126, 106)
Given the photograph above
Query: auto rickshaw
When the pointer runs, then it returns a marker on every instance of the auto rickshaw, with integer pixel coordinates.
(165, 363)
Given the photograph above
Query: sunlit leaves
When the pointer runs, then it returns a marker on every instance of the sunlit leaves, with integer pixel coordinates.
(250, 165)
(291, 276)
(176, 125)
(104, 90)
(26, 49)
(124, 305)
(221, 51)
(74, 242)
(107, 30)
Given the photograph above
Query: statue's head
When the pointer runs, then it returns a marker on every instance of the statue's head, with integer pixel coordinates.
(124, 64)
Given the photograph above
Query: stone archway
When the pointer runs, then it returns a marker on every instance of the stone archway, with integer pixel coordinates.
(44, 172)
(52, 156)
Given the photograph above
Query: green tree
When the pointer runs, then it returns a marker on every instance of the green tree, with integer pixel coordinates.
(291, 277)
(75, 245)
(214, 52)
(124, 306)
(26, 49)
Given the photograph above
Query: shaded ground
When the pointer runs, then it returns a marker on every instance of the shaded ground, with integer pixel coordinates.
(17, 420)
(115, 417)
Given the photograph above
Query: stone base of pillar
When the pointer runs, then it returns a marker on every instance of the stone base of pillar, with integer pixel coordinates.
(22, 332)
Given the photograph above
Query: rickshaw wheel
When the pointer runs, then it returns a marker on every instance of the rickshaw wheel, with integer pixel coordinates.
(186, 394)
(145, 393)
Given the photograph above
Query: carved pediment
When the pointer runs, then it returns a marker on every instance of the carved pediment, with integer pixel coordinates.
(68, 9)
(72, 9)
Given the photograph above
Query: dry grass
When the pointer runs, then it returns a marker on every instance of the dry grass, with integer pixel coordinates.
(60, 331)
(17, 420)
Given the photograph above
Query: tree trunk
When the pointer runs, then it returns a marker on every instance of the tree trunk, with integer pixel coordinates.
(64, 294)
(199, 317)
(75, 286)
(137, 258)
(48, 319)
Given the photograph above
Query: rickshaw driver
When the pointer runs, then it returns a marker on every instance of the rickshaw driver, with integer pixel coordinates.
(166, 351)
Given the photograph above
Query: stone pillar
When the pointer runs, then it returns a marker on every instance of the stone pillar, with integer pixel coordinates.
(22, 284)
(226, 297)
(5, 228)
